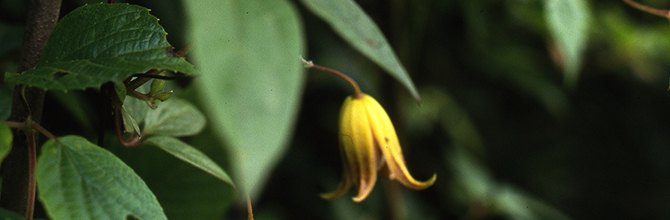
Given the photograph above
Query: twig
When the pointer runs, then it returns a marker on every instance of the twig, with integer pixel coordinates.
(18, 168)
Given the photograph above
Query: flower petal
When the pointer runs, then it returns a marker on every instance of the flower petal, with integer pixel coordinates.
(357, 141)
(344, 185)
(387, 140)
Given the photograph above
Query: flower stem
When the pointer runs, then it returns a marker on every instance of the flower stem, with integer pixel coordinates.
(357, 90)
(654, 11)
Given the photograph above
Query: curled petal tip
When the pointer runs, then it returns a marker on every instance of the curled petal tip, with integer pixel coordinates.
(358, 199)
(337, 193)
(431, 181)
(341, 189)
(418, 185)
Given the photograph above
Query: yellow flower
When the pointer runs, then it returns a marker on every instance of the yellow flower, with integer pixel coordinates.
(368, 144)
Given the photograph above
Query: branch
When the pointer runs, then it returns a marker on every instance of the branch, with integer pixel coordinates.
(18, 168)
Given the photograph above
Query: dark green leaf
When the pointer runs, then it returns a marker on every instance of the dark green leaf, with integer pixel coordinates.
(79, 180)
(174, 117)
(9, 215)
(184, 191)
(99, 43)
(252, 78)
(356, 27)
(5, 140)
(190, 155)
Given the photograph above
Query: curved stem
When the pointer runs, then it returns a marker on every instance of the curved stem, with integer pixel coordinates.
(357, 90)
(650, 10)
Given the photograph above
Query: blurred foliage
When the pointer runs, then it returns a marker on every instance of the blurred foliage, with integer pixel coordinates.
(506, 137)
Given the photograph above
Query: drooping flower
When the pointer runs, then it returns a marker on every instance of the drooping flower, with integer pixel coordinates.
(368, 144)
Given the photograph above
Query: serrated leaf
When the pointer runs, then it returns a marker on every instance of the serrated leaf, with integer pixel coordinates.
(79, 180)
(5, 140)
(190, 155)
(357, 28)
(568, 22)
(95, 44)
(252, 78)
(174, 117)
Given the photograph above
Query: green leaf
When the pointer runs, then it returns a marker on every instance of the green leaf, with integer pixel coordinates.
(79, 180)
(9, 215)
(95, 44)
(129, 123)
(5, 140)
(252, 78)
(184, 191)
(568, 21)
(174, 117)
(356, 27)
(190, 155)
(137, 108)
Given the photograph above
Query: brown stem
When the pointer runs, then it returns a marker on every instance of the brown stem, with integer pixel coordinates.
(18, 168)
(650, 10)
(132, 141)
(357, 90)
(250, 212)
(33, 125)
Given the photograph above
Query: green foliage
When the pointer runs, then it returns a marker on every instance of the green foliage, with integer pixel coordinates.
(8, 215)
(184, 191)
(174, 117)
(249, 55)
(190, 155)
(79, 180)
(569, 23)
(130, 125)
(5, 140)
(356, 27)
(136, 108)
(510, 135)
(95, 44)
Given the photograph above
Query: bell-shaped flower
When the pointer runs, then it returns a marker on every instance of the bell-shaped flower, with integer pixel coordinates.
(368, 144)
